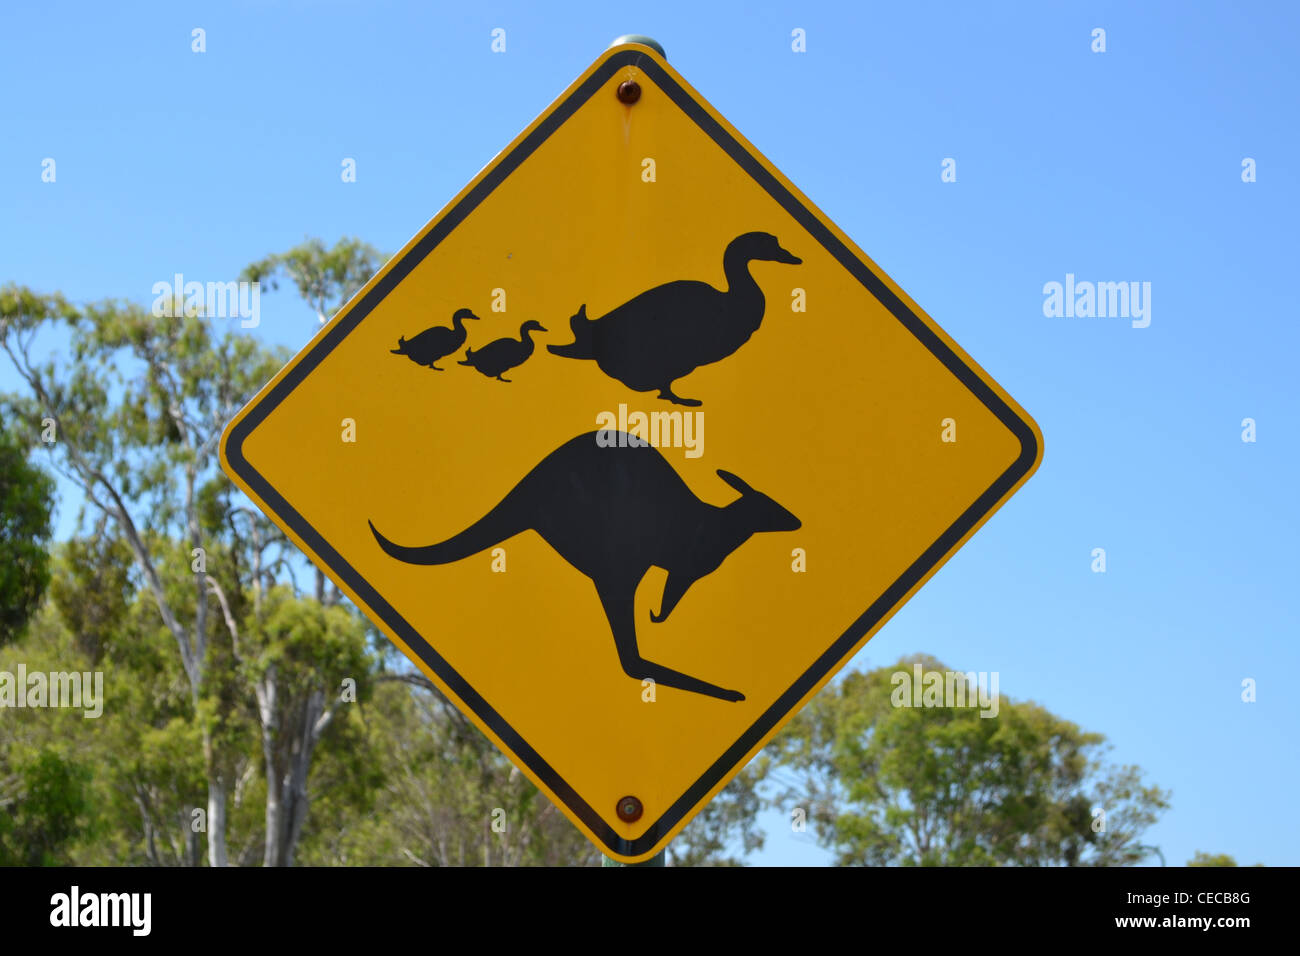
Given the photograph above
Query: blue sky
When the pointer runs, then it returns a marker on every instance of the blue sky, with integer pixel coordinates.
(1115, 166)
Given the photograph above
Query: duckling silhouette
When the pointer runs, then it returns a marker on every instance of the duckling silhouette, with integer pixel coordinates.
(671, 330)
(502, 355)
(435, 343)
(613, 513)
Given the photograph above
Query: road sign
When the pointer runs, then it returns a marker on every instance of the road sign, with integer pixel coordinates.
(630, 449)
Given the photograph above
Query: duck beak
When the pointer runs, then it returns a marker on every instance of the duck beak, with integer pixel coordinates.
(787, 257)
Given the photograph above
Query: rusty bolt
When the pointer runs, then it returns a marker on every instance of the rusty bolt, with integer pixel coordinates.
(629, 809)
(629, 91)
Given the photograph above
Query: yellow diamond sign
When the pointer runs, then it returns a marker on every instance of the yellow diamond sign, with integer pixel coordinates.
(630, 449)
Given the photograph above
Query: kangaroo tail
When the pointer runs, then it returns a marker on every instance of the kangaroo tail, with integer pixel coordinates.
(582, 345)
(493, 528)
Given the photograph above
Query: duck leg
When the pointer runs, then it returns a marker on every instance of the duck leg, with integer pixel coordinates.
(667, 393)
(618, 599)
(500, 379)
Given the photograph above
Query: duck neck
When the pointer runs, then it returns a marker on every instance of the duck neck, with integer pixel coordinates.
(458, 323)
(525, 336)
(741, 286)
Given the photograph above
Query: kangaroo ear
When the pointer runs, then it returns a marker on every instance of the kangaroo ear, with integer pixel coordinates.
(735, 482)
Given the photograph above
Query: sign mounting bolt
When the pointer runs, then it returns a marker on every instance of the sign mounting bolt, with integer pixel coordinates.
(629, 809)
(629, 91)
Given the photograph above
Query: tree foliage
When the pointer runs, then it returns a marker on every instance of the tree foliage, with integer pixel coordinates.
(891, 785)
(26, 499)
(139, 402)
(324, 277)
(1201, 858)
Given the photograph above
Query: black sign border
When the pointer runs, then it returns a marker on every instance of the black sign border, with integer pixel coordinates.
(824, 664)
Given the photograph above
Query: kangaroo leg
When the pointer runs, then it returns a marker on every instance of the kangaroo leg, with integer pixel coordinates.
(676, 586)
(618, 601)
(667, 392)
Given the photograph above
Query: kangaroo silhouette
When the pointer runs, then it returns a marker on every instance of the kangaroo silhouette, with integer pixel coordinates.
(613, 513)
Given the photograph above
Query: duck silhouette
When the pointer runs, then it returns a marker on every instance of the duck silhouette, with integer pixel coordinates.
(613, 513)
(435, 343)
(502, 355)
(671, 330)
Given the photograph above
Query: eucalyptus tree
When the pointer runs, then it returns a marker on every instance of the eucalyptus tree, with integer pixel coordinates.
(136, 405)
(26, 499)
(885, 782)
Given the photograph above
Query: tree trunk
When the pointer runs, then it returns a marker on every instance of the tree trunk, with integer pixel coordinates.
(216, 821)
(193, 852)
(266, 702)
